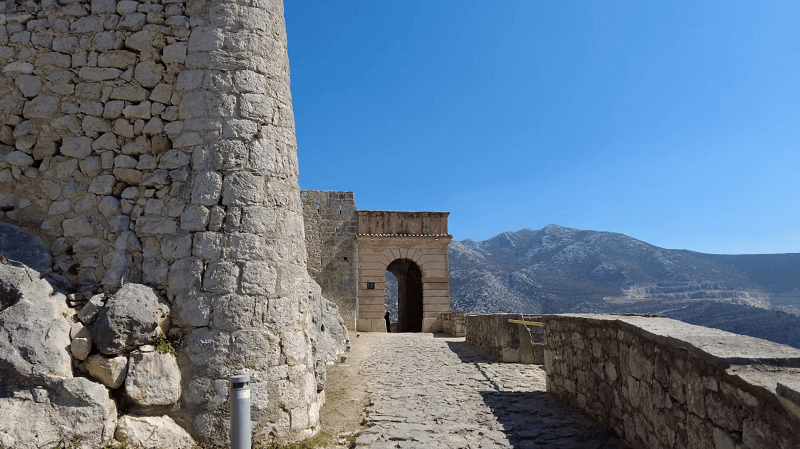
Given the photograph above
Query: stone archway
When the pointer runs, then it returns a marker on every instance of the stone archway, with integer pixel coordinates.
(409, 294)
(413, 247)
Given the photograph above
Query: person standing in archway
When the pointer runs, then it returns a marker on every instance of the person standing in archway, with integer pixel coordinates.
(388, 323)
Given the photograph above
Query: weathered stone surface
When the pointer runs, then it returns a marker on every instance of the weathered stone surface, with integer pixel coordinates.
(109, 371)
(129, 319)
(80, 347)
(66, 410)
(34, 330)
(25, 248)
(153, 431)
(153, 379)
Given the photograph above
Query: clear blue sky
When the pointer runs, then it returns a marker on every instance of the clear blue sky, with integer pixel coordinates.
(674, 122)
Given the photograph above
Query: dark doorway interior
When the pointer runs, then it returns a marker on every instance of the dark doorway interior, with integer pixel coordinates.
(409, 295)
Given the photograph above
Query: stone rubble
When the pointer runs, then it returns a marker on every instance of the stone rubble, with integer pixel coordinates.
(433, 392)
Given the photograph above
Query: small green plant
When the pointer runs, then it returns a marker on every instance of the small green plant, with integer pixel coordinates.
(74, 444)
(166, 345)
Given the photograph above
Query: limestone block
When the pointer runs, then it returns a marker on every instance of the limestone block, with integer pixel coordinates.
(29, 85)
(174, 159)
(104, 6)
(17, 68)
(89, 312)
(132, 22)
(189, 80)
(191, 309)
(78, 227)
(109, 371)
(99, 73)
(153, 379)
(193, 104)
(142, 110)
(153, 431)
(185, 275)
(256, 107)
(162, 92)
(188, 140)
(127, 241)
(156, 225)
(221, 277)
(158, 178)
(231, 312)
(259, 279)
(177, 246)
(141, 40)
(53, 61)
(129, 319)
(120, 59)
(243, 246)
(194, 218)
(77, 147)
(258, 220)
(148, 73)
(240, 129)
(81, 347)
(247, 81)
(154, 126)
(89, 24)
(93, 124)
(205, 38)
(155, 271)
(207, 188)
(87, 245)
(128, 175)
(41, 107)
(175, 53)
(242, 189)
(122, 127)
(129, 92)
(146, 162)
(18, 158)
(103, 185)
(91, 166)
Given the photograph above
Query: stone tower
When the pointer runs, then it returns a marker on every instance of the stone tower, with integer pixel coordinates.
(153, 141)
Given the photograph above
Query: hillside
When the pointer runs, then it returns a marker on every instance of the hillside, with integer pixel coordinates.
(557, 269)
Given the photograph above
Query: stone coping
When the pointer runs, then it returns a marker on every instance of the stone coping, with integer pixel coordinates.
(719, 348)
(404, 235)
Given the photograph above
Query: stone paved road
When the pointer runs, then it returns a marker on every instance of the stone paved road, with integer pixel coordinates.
(432, 392)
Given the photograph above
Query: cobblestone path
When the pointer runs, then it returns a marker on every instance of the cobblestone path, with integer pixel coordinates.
(432, 392)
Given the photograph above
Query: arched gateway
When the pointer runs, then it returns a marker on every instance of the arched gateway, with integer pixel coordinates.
(413, 247)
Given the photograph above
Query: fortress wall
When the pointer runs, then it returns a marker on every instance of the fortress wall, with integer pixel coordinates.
(330, 228)
(493, 335)
(660, 383)
(454, 324)
(153, 141)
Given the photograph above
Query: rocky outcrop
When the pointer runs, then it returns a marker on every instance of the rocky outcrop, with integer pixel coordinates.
(152, 431)
(36, 379)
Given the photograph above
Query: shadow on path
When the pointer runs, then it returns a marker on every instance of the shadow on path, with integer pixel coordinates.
(529, 416)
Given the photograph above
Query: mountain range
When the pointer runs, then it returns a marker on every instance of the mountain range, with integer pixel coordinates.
(559, 270)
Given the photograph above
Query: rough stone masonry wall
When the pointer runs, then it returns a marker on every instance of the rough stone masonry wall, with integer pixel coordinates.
(331, 226)
(454, 324)
(660, 383)
(493, 335)
(153, 141)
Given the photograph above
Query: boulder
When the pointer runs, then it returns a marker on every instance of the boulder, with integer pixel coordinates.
(110, 371)
(25, 248)
(153, 379)
(34, 328)
(63, 411)
(153, 431)
(129, 319)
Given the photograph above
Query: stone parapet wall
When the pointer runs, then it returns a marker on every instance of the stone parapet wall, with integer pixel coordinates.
(493, 335)
(153, 141)
(454, 324)
(331, 225)
(660, 383)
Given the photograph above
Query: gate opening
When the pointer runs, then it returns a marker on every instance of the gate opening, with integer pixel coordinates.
(409, 295)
